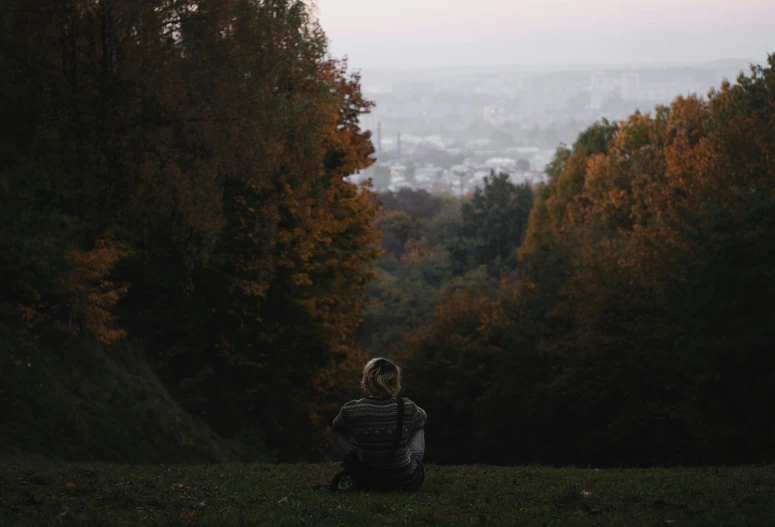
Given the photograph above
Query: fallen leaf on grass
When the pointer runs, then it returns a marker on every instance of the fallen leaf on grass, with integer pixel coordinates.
(189, 514)
(70, 485)
(178, 485)
(586, 493)
(669, 522)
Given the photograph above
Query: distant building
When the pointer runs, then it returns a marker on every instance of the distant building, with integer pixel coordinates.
(503, 163)
(413, 89)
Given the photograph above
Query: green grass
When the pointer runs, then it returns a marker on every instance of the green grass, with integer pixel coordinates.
(244, 494)
(100, 403)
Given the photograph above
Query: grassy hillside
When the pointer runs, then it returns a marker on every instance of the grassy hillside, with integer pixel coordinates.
(74, 399)
(82, 494)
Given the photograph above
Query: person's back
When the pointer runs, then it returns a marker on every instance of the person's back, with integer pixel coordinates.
(368, 428)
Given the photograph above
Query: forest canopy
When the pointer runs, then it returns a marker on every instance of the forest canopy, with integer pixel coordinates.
(175, 175)
(638, 331)
(174, 182)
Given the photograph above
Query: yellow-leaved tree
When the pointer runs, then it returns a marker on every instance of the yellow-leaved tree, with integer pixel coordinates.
(91, 294)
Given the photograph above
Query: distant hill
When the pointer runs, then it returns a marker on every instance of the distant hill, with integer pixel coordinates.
(731, 63)
(77, 400)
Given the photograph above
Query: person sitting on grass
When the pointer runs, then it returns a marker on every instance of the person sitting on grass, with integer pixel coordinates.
(382, 436)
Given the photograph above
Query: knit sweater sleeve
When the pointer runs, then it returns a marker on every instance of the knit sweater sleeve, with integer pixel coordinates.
(420, 418)
(341, 424)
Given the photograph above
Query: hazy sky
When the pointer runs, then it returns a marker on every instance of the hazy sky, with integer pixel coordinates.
(427, 33)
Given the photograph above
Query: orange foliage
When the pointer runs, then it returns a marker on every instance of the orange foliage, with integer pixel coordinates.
(621, 231)
(307, 249)
(341, 244)
(33, 313)
(417, 250)
(91, 294)
(213, 139)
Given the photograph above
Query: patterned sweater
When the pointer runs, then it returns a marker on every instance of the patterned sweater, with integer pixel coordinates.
(370, 424)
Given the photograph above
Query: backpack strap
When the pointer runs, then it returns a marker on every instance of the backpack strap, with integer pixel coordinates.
(399, 425)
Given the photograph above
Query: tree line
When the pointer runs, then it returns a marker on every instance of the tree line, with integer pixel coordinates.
(434, 246)
(638, 328)
(174, 174)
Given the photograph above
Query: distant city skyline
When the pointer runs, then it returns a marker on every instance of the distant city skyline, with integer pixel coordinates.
(444, 33)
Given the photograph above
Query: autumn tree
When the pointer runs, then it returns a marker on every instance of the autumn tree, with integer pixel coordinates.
(629, 244)
(636, 330)
(178, 175)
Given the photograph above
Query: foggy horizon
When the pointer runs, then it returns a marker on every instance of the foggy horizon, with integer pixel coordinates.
(427, 34)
